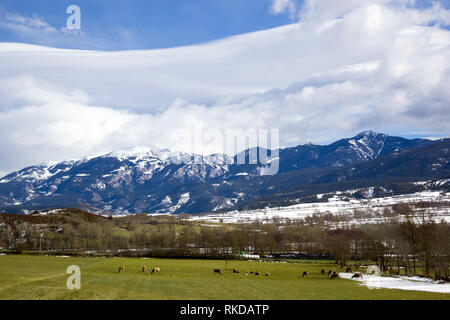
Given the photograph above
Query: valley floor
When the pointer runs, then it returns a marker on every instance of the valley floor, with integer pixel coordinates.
(337, 205)
(41, 277)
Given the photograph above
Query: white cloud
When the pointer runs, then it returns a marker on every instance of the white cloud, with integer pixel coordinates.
(24, 26)
(34, 29)
(339, 71)
(284, 6)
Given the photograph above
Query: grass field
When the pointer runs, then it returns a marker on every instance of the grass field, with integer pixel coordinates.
(40, 277)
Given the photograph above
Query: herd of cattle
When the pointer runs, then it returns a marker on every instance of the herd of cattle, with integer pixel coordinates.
(256, 273)
(144, 270)
(331, 273)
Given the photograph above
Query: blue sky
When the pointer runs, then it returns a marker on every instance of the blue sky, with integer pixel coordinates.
(143, 24)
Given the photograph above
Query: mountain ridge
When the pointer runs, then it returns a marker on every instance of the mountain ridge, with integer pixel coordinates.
(149, 180)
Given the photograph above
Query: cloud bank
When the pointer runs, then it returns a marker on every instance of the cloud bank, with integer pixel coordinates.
(343, 68)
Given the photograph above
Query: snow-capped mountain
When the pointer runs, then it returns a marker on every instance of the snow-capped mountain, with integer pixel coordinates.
(125, 181)
(365, 146)
(153, 180)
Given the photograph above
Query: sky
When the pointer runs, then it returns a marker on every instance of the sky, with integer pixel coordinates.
(143, 73)
(140, 24)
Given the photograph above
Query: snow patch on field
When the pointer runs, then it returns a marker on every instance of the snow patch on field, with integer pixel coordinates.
(401, 283)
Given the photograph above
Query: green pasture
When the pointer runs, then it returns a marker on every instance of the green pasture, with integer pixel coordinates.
(42, 277)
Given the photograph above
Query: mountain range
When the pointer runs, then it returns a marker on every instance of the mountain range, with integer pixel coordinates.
(153, 181)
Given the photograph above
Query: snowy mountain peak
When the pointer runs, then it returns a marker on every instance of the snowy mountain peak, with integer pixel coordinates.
(148, 179)
(368, 144)
(370, 135)
(139, 152)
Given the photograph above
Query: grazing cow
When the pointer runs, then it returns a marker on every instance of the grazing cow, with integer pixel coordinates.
(235, 271)
(322, 272)
(217, 271)
(357, 275)
(334, 276)
(348, 270)
(156, 270)
(256, 273)
(252, 272)
(267, 274)
(330, 272)
(246, 274)
(305, 274)
(121, 269)
(144, 269)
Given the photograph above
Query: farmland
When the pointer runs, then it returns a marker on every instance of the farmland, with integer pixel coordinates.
(42, 277)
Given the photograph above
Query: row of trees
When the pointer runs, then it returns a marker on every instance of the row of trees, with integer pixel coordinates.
(407, 241)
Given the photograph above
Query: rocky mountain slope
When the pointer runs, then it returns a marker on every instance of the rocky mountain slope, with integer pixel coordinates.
(151, 180)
